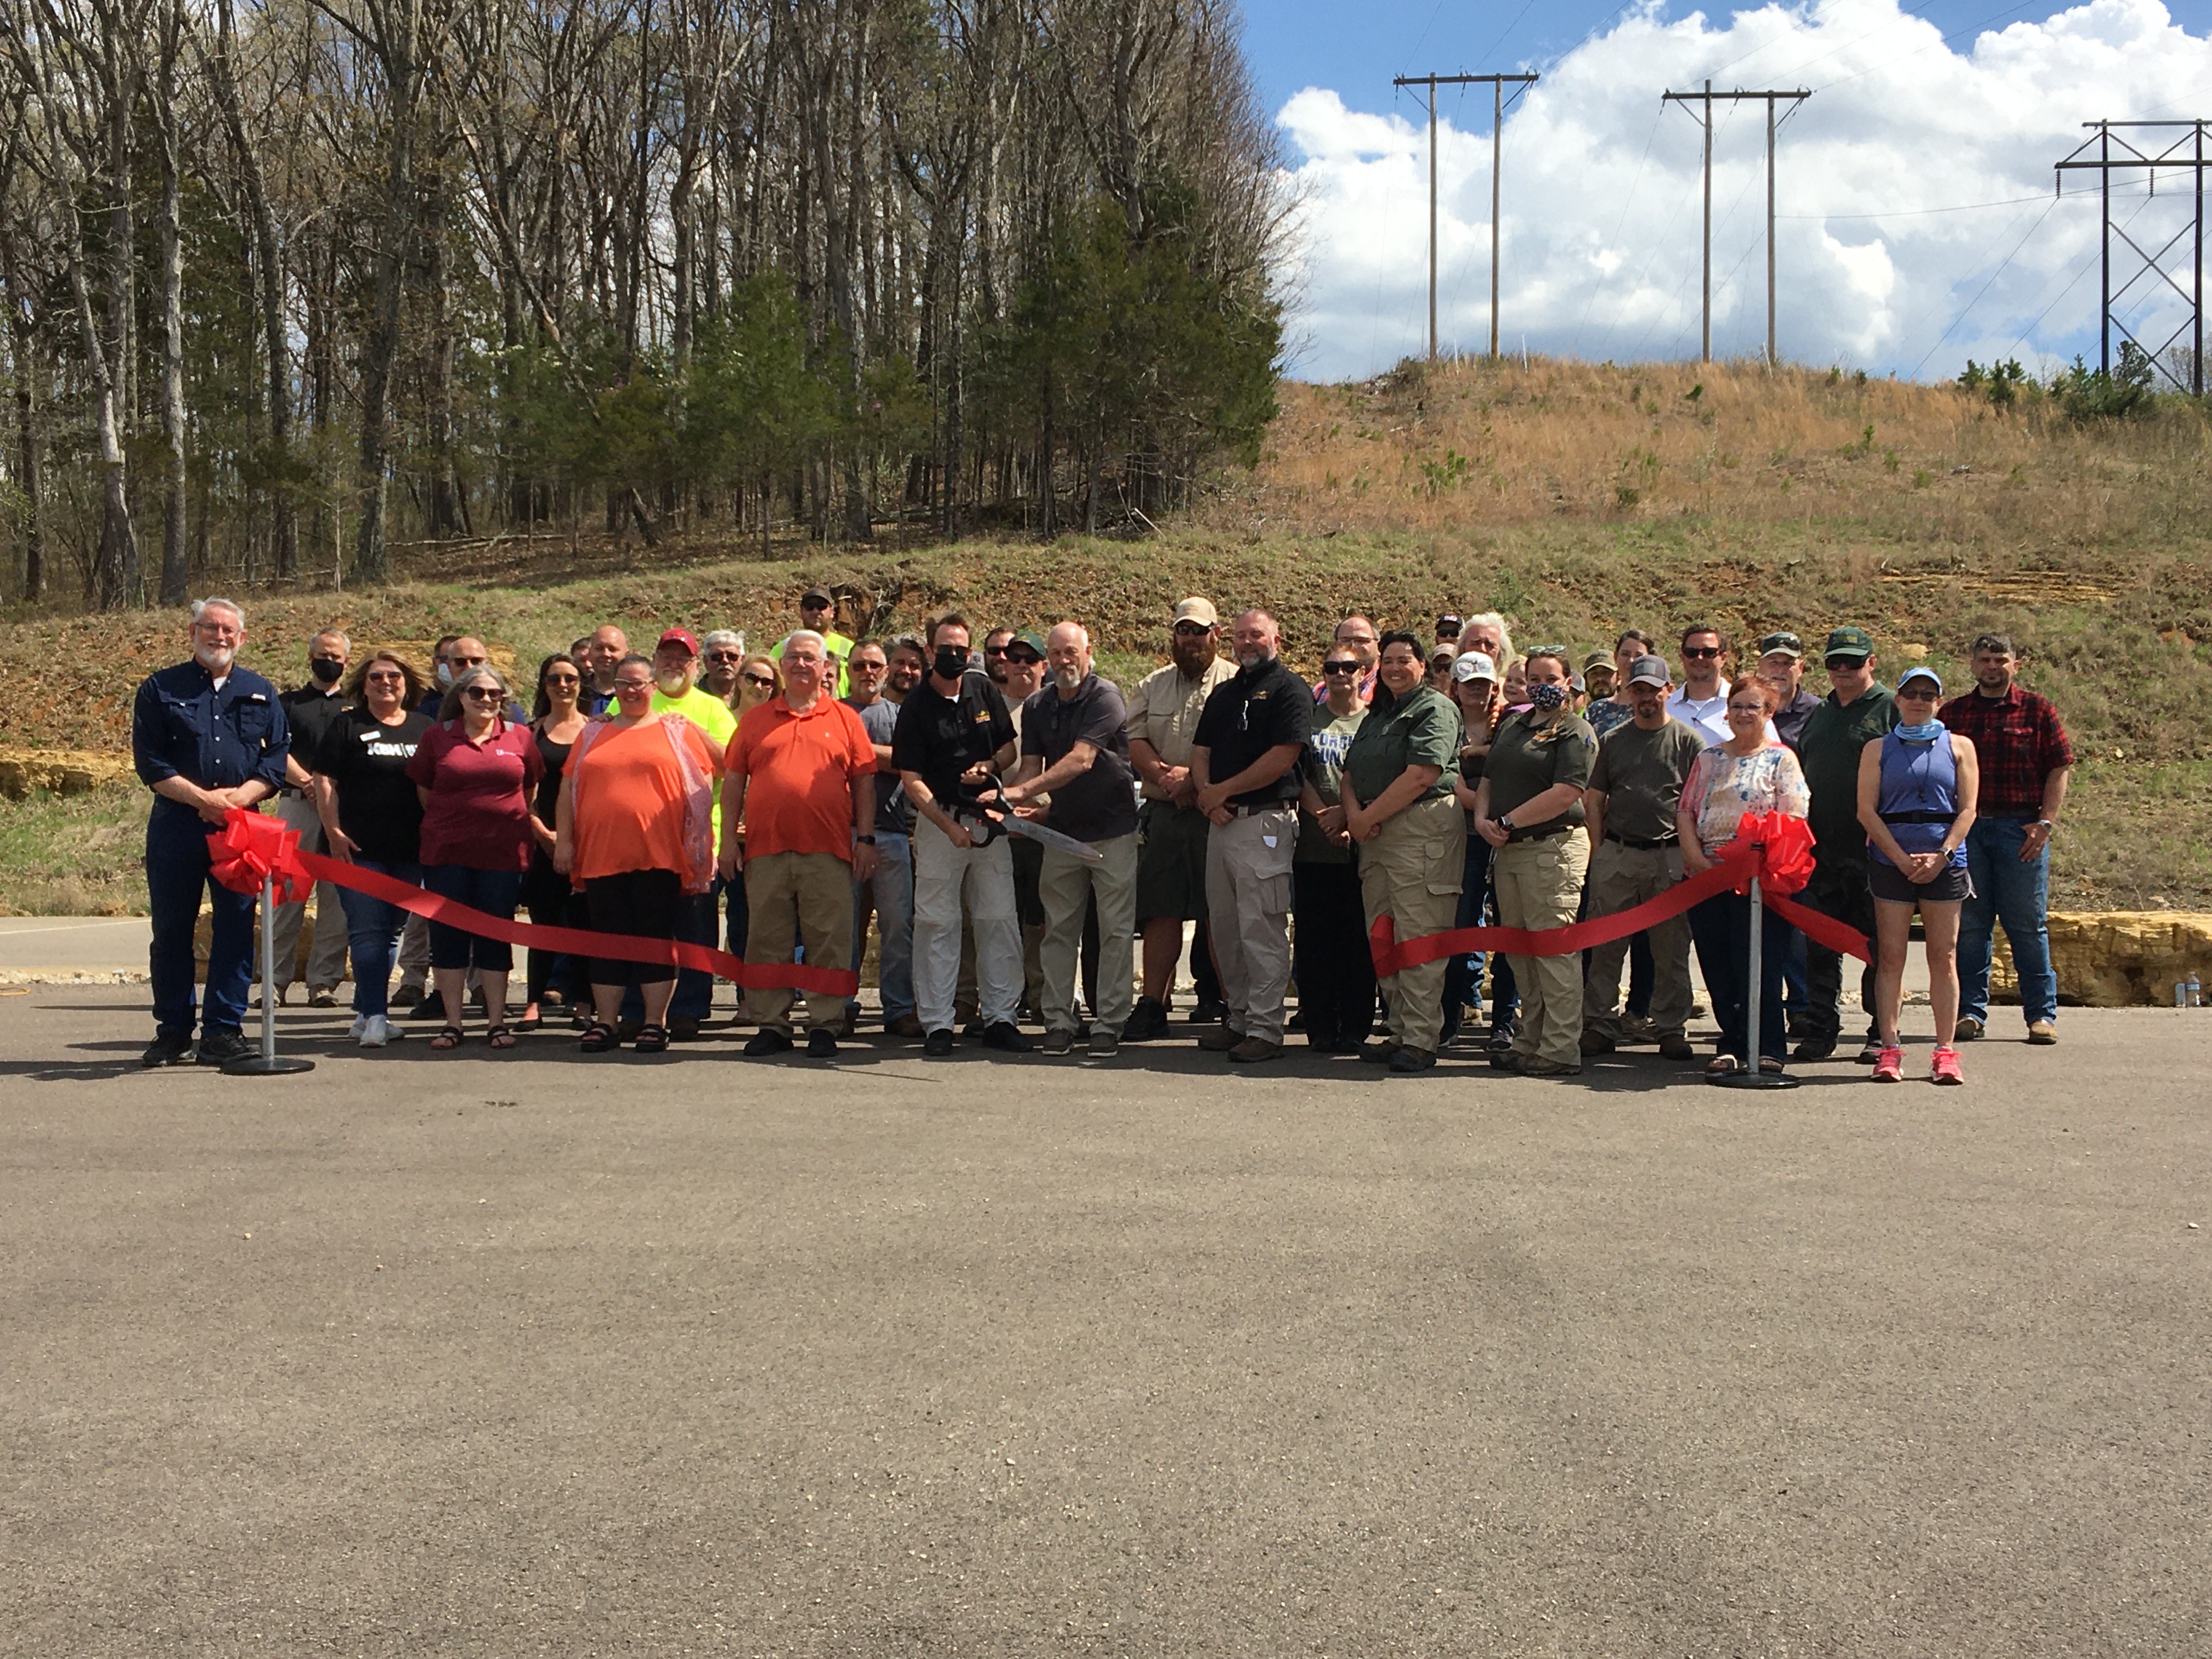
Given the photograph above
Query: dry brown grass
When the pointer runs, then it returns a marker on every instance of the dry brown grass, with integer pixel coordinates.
(1467, 444)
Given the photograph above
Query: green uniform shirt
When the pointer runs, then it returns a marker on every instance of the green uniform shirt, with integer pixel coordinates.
(1423, 730)
(1834, 738)
(1521, 768)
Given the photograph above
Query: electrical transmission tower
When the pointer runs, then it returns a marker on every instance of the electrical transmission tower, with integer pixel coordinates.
(2184, 149)
(1707, 99)
(1497, 84)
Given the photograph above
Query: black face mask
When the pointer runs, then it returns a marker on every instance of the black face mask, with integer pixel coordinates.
(326, 669)
(951, 662)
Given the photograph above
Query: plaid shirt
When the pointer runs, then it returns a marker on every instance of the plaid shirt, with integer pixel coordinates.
(2019, 742)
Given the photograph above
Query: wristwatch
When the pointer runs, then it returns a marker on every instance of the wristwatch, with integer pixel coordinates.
(1505, 821)
(864, 840)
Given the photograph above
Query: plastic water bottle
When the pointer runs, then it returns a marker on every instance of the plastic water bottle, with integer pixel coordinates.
(2196, 991)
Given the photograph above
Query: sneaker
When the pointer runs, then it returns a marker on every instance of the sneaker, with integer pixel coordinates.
(406, 996)
(359, 1024)
(1676, 1047)
(1104, 1044)
(906, 1025)
(1537, 1066)
(1378, 1053)
(1889, 1065)
(1943, 1066)
(1058, 1042)
(432, 1007)
(1005, 1036)
(1638, 1028)
(1871, 1051)
(1505, 1060)
(2042, 1033)
(1813, 1048)
(1148, 1020)
(820, 1043)
(1410, 1058)
(216, 1046)
(683, 1028)
(376, 1031)
(767, 1041)
(1501, 1039)
(323, 996)
(1968, 1030)
(1220, 1040)
(169, 1049)
(1253, 1051)
(938, 1042)
(1206, 1013)
(1595, 1042)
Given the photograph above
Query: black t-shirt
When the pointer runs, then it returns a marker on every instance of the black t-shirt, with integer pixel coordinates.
(311, 712)
(1102, 803)
(378, 807)
(940, 737)
(1253, 711)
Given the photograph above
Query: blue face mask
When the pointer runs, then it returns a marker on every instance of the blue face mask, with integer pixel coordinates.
(1545, 694)
(1925, 732)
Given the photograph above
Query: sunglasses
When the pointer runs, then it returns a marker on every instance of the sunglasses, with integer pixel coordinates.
(724, 656)
(633, 685)
(1697, 653)
(483, 694)
(467, 662)
(994, 650)
(1339, 668)
(1025, 659)
(562, 679)
(765, 682)
(386, 678)
(1193, 628)
(1833, 664)
(1917, 694)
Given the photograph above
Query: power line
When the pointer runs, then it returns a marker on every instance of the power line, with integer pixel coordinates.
(1497, 84)
(1706, 98)
(2001, 265)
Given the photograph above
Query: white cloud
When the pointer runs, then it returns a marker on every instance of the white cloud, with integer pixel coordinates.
(1601, 202)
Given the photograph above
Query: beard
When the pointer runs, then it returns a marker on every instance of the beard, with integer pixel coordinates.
(1194, 656)
(1253, 656)
(215, 659)
(673, 685)
(1068, 678)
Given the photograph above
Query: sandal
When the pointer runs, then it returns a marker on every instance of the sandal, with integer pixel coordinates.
(449, 1036)
(500, 1036)
(1724, 1065)
(1769, 1066)
(651, 1040)
(598, 1038)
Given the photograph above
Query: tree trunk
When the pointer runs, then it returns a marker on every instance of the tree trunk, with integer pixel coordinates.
(399, 49)
(175, 574)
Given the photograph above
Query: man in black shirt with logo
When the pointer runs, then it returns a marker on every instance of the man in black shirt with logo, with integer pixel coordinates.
(311, 709)
(1250, 738)
(954, 736)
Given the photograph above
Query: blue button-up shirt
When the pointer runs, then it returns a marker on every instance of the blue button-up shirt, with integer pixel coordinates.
(183, 727)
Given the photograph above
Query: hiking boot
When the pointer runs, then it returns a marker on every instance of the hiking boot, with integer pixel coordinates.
(1676, 1047)
(820, 1043)
(1206, 1013)
(1596, 1043)
(906, 1025)
(1104, 1044)
(1537, 1066)
(1378, 1054)
(1253, 1050)
(1147, 1020)
(1057, 1042)
(1968, 1030)
(1220, 1040)
(1409, 1059)
(1816, 1047)
(767, 1041)
(169, 1049)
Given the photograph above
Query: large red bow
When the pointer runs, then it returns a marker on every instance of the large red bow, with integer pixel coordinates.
(1773, 846)
(251, 847)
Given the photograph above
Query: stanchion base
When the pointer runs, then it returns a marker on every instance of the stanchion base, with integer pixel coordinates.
(266, 1066)
(1756, 1080)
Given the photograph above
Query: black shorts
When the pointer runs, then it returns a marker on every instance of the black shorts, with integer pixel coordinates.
(1887, 883)
(1172, 862)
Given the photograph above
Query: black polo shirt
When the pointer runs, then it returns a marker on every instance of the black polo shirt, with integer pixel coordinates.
(1100, 803)
(1253, 711)
(313, 711)
(938, 737)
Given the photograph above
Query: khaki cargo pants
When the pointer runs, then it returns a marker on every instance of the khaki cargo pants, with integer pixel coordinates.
(1621, 877)
(798, 899)
(1411, 872)
(1538, 885)
(1248, 897)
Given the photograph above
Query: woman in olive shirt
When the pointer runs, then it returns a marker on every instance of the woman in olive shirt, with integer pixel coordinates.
(1529, 808)
(1412, 836)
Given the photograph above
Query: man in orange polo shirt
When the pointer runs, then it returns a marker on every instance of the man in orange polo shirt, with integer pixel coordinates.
(806, 763)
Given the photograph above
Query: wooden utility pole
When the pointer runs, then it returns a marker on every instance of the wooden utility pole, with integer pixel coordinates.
(1705, 101)
(1498, 103)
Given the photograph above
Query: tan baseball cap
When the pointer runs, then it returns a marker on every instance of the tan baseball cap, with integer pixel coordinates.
(1196, 611)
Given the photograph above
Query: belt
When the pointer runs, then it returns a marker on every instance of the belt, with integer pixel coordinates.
(1539, 835)
(1269, 807)
(1640, 845)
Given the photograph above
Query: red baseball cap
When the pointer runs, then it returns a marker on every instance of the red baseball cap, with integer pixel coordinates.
(683, 636)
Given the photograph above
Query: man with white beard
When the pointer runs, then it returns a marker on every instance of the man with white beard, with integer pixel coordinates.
(205, 736)
(1075, 751)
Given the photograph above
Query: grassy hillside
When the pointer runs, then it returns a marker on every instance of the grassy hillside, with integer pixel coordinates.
(1578, 500)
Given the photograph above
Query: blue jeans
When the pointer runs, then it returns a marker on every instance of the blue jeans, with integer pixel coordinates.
(892, 889)
(2006, 891)
(177, 865)
(373, 929)
(494, 892)
(1721, 927)
(1463, 974)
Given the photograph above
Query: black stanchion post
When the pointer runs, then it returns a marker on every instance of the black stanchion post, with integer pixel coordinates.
(267, 1063)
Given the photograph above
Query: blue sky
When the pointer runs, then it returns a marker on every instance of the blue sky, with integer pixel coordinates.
(1918, 225)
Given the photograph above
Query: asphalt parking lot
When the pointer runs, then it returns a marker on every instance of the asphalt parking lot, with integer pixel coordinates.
(533, 1354)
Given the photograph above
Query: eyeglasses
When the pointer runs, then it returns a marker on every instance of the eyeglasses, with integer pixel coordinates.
(389, 676)
(765, 682)
(724, 656)
(633, 685)
(1699, 652)
(1835, 664)
(483, 694)
(1339, 668)
(557, 680)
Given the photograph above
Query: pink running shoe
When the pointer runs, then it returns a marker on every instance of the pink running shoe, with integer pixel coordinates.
(1943, 1067)
(1889, 1066)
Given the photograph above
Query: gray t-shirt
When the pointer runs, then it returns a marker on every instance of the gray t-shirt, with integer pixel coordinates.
(1326, 746)
(893, 815)
(1102, 803)
(1641, 774)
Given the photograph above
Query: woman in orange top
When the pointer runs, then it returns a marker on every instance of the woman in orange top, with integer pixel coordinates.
(635, 834)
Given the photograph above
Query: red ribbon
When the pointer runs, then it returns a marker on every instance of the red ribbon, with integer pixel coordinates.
(252, 845)
(1773, 846)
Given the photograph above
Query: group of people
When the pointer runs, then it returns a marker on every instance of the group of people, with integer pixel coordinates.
(1033, 847)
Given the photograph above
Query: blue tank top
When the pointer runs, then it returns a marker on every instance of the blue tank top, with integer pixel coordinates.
(1919, 796)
